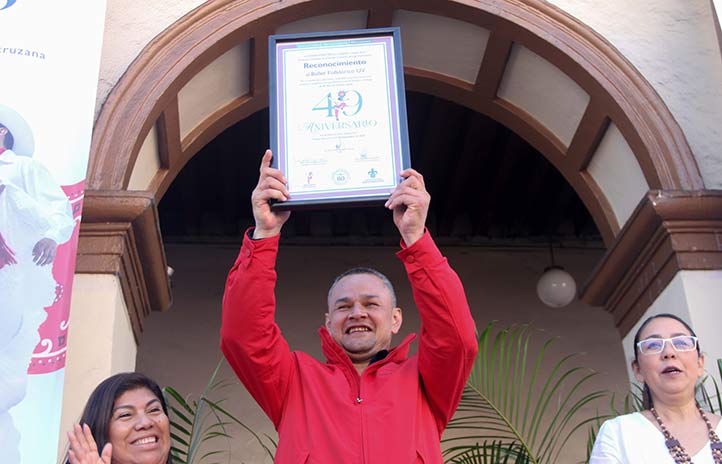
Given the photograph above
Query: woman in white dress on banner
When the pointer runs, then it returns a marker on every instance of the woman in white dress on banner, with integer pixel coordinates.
(35, 217)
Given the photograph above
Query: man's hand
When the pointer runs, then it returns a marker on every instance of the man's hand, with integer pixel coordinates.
(271, 185)
(410, 204)
(44, 251)
(83, 449)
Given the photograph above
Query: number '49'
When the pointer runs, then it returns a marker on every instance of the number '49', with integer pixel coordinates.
(347, 103)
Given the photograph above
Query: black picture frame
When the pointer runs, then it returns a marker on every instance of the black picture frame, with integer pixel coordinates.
(332, 59)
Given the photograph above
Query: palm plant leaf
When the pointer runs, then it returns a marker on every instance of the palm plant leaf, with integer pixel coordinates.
(495, 452)
(712, 403)
(190, 426)
(202, 423)
(718, 409)
(219, 411)
(509, 401)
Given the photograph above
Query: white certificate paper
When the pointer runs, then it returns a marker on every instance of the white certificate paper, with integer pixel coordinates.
(339, 132)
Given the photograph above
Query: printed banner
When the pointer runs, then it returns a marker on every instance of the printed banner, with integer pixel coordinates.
(50, 55)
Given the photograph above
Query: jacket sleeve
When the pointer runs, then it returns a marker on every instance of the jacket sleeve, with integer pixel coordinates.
(447, 345)
(250, 338)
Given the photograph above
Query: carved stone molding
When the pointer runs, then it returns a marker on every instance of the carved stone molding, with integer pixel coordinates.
(669, 231)
(120, 235)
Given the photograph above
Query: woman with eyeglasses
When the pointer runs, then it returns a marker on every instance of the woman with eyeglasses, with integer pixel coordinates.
(673, 428)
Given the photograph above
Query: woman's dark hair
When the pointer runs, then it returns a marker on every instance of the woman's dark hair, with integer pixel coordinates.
(99, 408)
(646, 393)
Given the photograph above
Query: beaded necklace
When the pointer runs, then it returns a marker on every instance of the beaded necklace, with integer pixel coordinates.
(678, 453)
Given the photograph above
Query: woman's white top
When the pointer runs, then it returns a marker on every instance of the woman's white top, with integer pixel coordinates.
(633, 439)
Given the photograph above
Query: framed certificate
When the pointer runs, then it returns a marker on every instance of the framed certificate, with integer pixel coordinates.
(338, 116)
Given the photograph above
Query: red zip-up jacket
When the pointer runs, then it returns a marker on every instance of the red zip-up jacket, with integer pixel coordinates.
(395, 412)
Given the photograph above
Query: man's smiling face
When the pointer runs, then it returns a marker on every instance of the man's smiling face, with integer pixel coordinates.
(361, 316)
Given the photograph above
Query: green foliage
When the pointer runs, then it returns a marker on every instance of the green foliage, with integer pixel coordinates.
(712, 403)
(496, 452)
(205, 422)
(527, 415)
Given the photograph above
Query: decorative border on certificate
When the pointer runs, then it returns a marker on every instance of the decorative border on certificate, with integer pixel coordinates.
(338, 115)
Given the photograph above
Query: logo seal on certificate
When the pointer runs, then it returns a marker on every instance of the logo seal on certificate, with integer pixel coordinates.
(338, 116)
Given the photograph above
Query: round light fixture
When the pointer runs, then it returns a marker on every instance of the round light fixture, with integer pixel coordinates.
(556, 287)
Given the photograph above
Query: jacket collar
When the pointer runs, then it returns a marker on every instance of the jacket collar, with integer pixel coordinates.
(336, 355)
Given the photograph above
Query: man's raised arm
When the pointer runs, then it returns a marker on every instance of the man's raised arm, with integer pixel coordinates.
(250, 338)
(447, 345)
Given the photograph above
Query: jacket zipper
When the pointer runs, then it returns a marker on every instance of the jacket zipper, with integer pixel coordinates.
(349, 367)
(359, 402)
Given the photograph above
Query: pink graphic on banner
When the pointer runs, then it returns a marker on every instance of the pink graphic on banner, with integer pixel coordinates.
(49, 354)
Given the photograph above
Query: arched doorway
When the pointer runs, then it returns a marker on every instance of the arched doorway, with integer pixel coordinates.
(505, 59)
(528, 65)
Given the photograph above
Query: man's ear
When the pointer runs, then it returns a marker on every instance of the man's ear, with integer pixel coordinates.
(328, 322)
(396, 319)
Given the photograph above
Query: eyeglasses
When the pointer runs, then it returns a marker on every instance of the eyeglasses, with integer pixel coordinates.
(656, 345)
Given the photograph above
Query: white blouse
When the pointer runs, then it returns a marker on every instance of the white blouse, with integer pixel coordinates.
(633, 439)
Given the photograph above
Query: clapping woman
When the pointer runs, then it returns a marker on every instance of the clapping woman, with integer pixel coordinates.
(673, 428)
(124, 422)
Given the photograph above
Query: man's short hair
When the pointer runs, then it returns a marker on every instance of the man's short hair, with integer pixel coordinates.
(366, 270)
(9, 139)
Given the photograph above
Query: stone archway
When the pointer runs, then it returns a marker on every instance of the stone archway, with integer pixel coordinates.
(149, 91)
(150, 125)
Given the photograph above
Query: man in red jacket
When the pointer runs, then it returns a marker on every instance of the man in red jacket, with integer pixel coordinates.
(368, 403)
